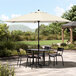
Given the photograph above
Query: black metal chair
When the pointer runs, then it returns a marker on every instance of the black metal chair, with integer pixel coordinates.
(19, 57)
(46, 47)
(31, 55)
(53, 55)
(60, 53)
(56, 54)
(28, 56)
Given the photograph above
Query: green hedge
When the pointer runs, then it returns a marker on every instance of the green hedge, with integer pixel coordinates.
(9, 48)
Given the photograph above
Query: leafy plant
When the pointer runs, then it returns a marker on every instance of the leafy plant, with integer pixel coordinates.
(71, 46)
(5, 52)
(63, 44)
(6, 70)
(10, 45)
(23, 46)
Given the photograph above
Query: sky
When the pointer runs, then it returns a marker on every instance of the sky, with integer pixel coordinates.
(14, 8)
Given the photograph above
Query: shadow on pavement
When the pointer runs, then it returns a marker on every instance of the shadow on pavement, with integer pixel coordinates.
(67, 64)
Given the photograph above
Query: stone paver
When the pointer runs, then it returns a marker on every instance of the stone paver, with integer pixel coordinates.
(69, 68)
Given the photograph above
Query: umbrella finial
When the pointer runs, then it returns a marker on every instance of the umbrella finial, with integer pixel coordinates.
(38, 9)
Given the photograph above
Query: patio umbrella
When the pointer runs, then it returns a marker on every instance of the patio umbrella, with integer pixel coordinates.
(37, 17)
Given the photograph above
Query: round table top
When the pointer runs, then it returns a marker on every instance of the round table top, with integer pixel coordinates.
(39, 49)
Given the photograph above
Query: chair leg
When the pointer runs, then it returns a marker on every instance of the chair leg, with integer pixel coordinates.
(62, 60)
(18, 61)
(36, 62)
(54, 62)
(27, 61)
(49, 60)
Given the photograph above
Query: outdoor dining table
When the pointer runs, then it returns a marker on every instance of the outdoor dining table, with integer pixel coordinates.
(40, 50)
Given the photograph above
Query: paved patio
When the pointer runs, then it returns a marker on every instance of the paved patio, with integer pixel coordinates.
(69, 68)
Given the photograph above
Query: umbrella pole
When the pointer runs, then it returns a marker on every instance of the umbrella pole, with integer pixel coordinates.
(38, 42)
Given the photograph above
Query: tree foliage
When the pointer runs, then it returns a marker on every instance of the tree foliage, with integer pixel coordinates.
(70, 14)
(50, 31)
(3, 31)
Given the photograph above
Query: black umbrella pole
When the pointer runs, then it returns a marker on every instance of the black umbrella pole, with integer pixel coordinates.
(38, 42)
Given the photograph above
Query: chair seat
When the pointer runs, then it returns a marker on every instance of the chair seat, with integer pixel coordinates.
(58, 54)
(52, 55)
(41, 55)
(35, 56)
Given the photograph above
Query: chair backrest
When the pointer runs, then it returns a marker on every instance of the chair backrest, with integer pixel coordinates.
(60, 50)
(28, 52)
(47, 47)
(18, 51)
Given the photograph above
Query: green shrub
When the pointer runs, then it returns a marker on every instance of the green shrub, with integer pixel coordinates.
(7, 44)
(42, 37)
(14, 52)
(6, 70)
(59, 37)
(2, 45)
(71, 46)
(33, 46)
(27, 38)
(54, 46)
(23, 46)
(63, 44)
(10, 45)
(20, 38)
(52, 37)
(23, 52)
(5, 52)
(32, 38)
(66, 47)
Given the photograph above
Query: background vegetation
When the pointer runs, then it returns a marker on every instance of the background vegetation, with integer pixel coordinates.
(50, 34)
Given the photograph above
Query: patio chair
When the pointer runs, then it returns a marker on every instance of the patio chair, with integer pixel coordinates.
(19, 57)
(56, 54)
(52, 55)
(47, 48)
(60, 53)
(30, 56)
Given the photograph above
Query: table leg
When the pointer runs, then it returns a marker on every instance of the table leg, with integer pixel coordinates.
(43, 57)
(38, 58)
(33, 58)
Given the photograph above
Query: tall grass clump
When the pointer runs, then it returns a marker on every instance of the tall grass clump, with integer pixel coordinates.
(6, 70)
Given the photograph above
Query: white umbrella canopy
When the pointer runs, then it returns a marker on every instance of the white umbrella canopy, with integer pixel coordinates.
(38, 16)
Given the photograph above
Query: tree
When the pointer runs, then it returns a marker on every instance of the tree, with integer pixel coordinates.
(41, 28)
(3, 32)
(70, 14)
(52, 31)
(17, 35)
